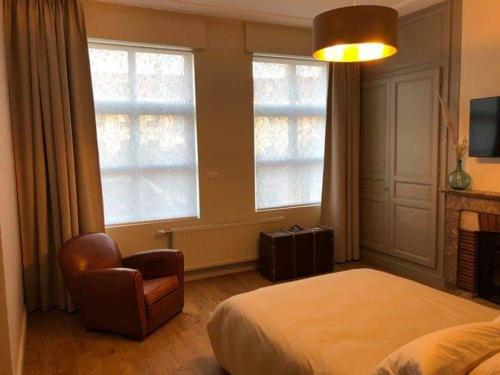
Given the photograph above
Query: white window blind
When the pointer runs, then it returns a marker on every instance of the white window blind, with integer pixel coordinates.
(290, 113)
(146, 129)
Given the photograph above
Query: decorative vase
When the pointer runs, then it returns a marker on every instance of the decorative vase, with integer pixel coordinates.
(459, 179)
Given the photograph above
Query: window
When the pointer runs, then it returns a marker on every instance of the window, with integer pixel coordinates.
(146, 130)
(290, 115)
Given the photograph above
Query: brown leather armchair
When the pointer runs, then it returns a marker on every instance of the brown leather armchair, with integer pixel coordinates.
(133, 295)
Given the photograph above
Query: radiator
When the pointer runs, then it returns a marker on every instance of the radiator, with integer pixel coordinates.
(209, 246)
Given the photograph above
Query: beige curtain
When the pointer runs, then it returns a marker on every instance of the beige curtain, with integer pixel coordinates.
(55, 144)
(340, 207)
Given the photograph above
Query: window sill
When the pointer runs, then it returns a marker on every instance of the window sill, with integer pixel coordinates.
(160, 221)
(281, 208)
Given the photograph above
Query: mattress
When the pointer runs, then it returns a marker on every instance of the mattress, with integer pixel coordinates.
(340, 323)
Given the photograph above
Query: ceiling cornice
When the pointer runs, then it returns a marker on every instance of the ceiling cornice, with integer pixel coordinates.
(241, 13)
(409, 6)
(197, 8)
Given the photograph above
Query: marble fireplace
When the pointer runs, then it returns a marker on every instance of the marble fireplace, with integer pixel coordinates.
(472, 237)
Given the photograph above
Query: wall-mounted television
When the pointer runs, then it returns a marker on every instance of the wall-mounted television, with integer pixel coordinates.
(484, 129)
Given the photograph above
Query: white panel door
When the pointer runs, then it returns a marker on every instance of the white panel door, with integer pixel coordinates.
(414, 146)
(374, 164)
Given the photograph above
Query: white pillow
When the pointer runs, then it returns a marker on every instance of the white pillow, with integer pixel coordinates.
(489, 367)
(454, 351)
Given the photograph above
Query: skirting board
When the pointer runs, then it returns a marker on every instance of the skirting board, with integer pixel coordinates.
(401, 268)
(22, 344)
(222, 270)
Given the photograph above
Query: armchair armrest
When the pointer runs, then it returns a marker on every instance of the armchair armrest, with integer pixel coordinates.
(113, 299)
(157, 263)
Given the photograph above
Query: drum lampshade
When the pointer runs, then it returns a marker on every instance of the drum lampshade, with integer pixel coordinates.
(355, 33)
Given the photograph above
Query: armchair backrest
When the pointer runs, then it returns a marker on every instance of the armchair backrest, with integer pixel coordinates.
(88, 252)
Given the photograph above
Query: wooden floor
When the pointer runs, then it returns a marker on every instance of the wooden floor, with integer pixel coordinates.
(57, 342)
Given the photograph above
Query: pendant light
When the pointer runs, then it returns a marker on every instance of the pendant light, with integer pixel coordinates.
(355, 33)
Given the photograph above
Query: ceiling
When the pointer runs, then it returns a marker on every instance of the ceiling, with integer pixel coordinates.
(285, 12)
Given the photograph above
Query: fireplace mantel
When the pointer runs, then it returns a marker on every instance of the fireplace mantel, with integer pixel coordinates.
(489, 195)
(457, 201)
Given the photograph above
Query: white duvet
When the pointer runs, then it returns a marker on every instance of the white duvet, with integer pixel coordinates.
(340, 323)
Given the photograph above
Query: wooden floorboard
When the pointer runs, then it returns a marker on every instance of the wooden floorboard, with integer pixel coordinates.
(57, 342)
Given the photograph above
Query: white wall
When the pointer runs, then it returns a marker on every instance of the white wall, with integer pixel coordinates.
(480, 77)
(12, 309)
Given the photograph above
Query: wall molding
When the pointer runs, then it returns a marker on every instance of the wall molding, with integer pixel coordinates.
(22, 343)
(222, 270)
(205, 8)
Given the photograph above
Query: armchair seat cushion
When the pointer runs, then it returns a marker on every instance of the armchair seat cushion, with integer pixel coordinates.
(156, 289)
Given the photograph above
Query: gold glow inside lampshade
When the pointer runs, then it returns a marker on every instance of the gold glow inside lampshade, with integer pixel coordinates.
(356, 33)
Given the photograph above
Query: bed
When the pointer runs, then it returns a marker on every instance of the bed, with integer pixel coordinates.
(340, 323)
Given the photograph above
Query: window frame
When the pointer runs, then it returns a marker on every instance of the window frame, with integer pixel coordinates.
(124, 107)
(306, 110)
